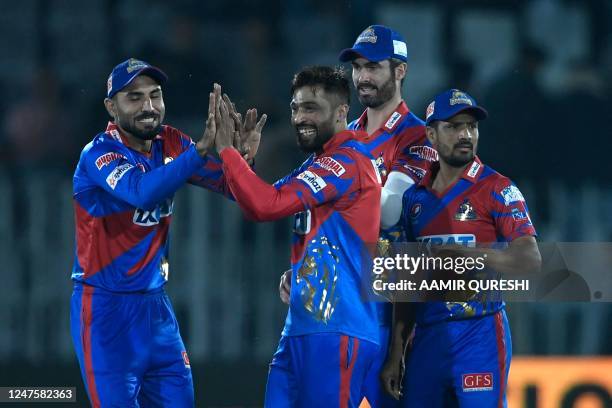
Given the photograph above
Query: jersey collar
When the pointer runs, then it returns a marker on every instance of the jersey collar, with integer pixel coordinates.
(341, 137)
(113, 130)
(471, 173)
(390, 123)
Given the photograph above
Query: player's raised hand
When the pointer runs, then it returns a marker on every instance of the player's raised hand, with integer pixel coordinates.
(237, 119)
(250, 132)
(224, 124)
(208, 138)
(284, 287)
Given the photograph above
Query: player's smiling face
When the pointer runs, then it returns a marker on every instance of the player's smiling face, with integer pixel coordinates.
(138, 109)
(313, 116)
(455, 139)
(374, 81)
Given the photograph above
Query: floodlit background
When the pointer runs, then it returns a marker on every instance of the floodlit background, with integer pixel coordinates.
(542, 68)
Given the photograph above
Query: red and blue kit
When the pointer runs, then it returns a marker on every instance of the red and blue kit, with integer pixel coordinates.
(462, 350)
(330, 335)
(400, 144)
(123, 327)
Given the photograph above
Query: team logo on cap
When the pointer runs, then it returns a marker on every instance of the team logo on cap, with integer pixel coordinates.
(460, 97)
(109, 84)
(368, 35)
(134, 64)
(430, 110)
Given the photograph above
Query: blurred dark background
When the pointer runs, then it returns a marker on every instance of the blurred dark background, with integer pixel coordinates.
(542, 68)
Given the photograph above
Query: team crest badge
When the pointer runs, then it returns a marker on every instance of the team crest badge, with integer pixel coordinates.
(134, 64)
(380, 165)
(465, 212)
(460, 97)
(368, 35)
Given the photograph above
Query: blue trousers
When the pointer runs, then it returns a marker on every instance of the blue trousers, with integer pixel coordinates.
(129, 349)
(461, 363)
(319, 370)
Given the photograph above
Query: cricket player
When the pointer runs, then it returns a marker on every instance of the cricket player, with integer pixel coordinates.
(125, 334)
(461, 351)
(396, 138)
(330, 338)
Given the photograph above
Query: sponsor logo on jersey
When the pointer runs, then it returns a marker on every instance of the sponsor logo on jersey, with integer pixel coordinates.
(312, 180)
(368, 35)
(511, 194)
(116, 175)
(446, 239)
(430, 110)
(415, 211)
(473, 169)
(107, 158)
(168, 159)
(330, 164)
(460, 97)
(465, 212)
(148, 218)
(519, 215)
(395, 116)
(477, 382)
(425, 152)
(115, 135)
(186, 359)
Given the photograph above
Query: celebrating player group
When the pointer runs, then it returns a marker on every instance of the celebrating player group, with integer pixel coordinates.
(386, 175)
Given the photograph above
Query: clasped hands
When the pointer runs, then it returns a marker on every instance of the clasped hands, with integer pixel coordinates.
(226, 128)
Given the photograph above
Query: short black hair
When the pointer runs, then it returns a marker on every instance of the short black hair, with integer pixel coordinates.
(332, 79)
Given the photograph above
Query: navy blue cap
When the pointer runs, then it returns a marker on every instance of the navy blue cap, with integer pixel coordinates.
(451, 102)
(125, 73)
(376, 43)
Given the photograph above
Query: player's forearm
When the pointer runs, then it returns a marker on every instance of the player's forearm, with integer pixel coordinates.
(403, 323)
(259, 200)
(521, 256)
(146, 190)
(211, 177)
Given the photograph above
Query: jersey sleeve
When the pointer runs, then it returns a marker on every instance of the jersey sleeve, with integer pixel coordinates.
(413, 154)
(324, 180)
(210, 175)
(111, 169)
(405, 219)
(295, 172)
(509, 211)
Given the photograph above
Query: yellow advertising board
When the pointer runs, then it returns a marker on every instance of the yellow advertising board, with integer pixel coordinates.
(560, 382)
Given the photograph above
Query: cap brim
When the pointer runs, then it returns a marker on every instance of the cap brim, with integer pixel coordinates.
(154, 72)
(478, 112)
(350, 54)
